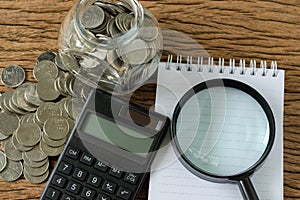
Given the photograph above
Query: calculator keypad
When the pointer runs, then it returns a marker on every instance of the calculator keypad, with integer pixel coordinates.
(90, 179)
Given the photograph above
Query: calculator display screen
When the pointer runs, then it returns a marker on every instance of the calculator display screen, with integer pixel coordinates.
(117, 135)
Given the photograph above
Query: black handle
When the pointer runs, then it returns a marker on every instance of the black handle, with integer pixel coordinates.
(247, 189)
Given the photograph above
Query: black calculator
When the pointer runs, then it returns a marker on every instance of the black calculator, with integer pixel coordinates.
(109, 152)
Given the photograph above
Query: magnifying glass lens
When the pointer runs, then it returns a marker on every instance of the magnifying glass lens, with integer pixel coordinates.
(222, 131)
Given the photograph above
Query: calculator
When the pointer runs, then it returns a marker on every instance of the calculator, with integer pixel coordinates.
(109, 153)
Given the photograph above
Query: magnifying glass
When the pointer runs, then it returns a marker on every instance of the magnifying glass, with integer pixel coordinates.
(223, 131)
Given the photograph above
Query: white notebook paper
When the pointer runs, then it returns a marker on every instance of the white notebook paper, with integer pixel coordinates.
(170, 179)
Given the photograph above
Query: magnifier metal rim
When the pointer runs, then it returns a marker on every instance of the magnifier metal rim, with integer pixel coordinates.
(232, 84)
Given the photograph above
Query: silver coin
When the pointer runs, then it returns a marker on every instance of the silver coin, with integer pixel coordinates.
(48, 55)
(11, 151)
(125, 5)
(31, 95)
(36, 180)
(136, 52)
(13, 76)
(3, 137)
(45, 69)
(6, 98)
(53, 143)
(72, 124)
(33, 164)
(110, 7)
(149, 31)
(51, 151)
(8, 123)
(19, 146)
(37, 171)
(28, 118)
(61, 105)
(19, 100)
(46, 89)
(93, 17)
(56, 128)
(70, 62)
(36, 154)
(15, 108)
(59, 63)
(28, 134)
(75, 107)
(3, 161)
(12, 172)
(47, 110)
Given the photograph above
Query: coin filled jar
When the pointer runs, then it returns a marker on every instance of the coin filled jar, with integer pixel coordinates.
(112, 45)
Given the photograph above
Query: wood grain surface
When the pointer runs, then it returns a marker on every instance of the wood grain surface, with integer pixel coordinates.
(231, 29)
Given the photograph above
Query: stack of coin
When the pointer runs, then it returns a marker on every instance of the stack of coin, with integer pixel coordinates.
(36, 120)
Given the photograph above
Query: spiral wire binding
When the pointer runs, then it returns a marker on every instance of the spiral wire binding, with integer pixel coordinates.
(199, 66)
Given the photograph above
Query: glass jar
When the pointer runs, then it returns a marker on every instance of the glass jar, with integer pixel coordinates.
(112, 45)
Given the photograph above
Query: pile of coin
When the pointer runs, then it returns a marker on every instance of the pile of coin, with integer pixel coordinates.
(36, 120)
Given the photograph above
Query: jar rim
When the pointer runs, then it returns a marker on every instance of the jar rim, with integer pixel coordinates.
(88, 37)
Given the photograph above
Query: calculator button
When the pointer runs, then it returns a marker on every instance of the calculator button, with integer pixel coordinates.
(80, 174)
(109, 187)
(87, 159)
(67, 197)
(103, 197)
(94, 180)
(59, 181)
(65, 168)
(52, 194)
(72, 152)
(124, 193)
(74, 187)
(88, 193)
(115, 172)
(101, 166)
(131, 178)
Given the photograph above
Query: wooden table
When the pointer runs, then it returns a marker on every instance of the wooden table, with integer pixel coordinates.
(240, 29)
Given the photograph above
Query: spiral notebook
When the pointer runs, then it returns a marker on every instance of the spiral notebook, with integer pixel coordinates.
(169, 178)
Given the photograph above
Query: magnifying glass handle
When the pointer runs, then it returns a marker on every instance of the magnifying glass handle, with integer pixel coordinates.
(247, 189)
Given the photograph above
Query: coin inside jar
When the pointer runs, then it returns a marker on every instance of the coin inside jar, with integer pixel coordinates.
(93, 17)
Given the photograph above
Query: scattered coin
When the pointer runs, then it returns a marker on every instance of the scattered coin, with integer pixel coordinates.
(11, 151)
(48, 55)
(12, 172)
(13, 76)
(46, 89)
(28, 134)
(56, 128)
(36, 171)
(23, 115)
(36, 180)
(3, 161)
(33, 164)
(8, 123)
(45, 69)
(51, 151)
(54, 143)
(18, 145)
(36, 154)
(47, 110)
(31, 95)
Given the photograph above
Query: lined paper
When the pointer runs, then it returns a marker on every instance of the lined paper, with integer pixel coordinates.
(171, 180)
